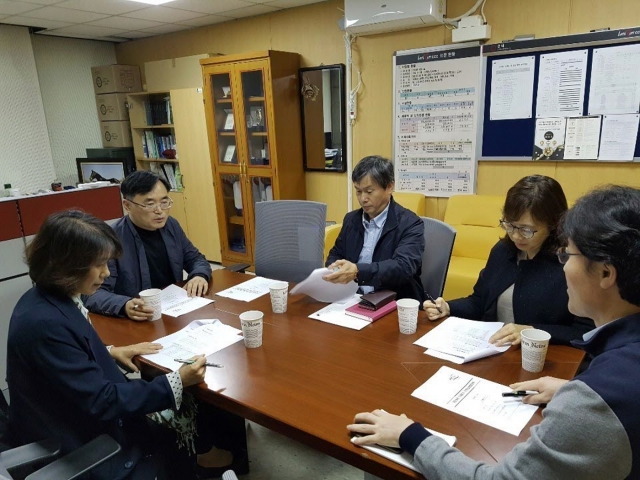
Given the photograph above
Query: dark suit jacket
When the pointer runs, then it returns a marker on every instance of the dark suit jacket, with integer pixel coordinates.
(130, 272)
(397, 258)
(539, 294)
(64, 384)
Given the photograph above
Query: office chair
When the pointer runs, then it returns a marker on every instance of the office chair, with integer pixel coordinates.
(439, 238)
(289, 238)
(20, 462)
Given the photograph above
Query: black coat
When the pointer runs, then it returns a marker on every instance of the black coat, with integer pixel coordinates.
(397, 257)
(539, 295)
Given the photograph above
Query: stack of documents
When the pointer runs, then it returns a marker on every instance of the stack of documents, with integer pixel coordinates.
(176, 301)
(335, 314)
(477, 399)
(249, 290)
(461, 341)
(324, 291)
(200, 337)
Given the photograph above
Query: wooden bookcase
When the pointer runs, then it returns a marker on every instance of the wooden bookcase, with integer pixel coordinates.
(252, 106)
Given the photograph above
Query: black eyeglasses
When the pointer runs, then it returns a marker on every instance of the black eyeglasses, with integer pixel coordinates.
(525, 232)
(150, 207)
(563, 255)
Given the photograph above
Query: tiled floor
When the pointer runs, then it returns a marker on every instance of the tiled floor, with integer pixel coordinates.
(275, 457)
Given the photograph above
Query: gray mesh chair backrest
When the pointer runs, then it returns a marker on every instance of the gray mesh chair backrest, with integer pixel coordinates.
(438, 245)
(289, 238)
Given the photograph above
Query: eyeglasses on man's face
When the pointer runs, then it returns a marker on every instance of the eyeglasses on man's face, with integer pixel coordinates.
(564, 256)
(150, 207)
(525, 232)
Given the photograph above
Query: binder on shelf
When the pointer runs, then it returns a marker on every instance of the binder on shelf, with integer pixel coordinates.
(370, 315)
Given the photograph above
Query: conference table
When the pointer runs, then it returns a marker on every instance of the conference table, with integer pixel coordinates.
(309, 378)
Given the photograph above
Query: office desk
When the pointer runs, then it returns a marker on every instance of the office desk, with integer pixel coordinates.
(309, 378)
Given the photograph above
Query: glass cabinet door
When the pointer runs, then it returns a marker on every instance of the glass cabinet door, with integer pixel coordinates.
(225, 121)
(234, 229)
(253, 99)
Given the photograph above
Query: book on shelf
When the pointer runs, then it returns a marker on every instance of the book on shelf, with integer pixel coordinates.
(229, 122)
(370, 315)
(154, 145)
(229, 154)
(170, 175)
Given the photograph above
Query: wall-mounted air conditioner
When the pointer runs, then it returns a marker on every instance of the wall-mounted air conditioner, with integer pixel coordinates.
(366, 17)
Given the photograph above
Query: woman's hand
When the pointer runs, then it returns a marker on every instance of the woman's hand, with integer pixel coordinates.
(124, 355)
(510, 333)
(545, 386)
(136, 310)
(345, 272)
(196, 287)
(379, 427)
(194, 373)
(432, 309)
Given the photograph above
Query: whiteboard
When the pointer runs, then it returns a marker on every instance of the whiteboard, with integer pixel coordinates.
(436, 93)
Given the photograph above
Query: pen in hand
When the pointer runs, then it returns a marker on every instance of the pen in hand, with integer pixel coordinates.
(430, 298)
(519, 393)
(191, 362)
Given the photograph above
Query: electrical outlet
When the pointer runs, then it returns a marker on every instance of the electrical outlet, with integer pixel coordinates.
(353, 106)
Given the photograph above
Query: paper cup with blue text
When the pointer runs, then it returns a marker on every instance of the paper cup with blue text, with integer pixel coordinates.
(152, 297)
(534, 345)
(408, 315)
(251, 322)
(279, 292)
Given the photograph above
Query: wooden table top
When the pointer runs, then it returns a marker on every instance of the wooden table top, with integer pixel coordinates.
(310, 378)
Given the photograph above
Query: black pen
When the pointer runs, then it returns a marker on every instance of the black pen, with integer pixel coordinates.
(191, 362)
(429, 297)
(519, 393)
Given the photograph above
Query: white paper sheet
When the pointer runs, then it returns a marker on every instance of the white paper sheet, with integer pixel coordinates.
(200, 337)
(561, 84)
(405, 458)
(582, 138)
(334, 314)
(324, 291)
(548, 142)
(512, 88)
(176, 302)
(615, 84)
(461, 341)
(249, 290)
(477, 399)
(619, 135)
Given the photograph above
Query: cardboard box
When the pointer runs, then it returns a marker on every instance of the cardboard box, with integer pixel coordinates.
(116, 134)
(112, 107)
(116, 78)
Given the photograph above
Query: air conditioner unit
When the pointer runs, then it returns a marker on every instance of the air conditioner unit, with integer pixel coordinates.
(366, 17)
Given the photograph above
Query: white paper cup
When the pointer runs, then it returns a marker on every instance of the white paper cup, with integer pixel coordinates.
(279, 292)
(408, 315)
(251, 322)
(153, 298)
(534, 345)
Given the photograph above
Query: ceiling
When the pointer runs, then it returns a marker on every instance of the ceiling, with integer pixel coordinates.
(122, 20)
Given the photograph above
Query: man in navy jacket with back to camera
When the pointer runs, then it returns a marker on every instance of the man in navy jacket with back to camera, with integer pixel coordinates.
(155, 251)
(380, 245)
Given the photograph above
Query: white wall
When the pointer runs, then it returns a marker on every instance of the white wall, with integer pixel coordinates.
(64, 70)
(25, 154)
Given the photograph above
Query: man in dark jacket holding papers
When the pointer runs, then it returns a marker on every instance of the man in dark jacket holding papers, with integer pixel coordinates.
(380, 245)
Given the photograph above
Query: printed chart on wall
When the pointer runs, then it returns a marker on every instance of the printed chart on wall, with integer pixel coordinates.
(436, 94)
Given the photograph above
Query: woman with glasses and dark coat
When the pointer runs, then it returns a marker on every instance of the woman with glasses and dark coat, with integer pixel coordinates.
(522, 284)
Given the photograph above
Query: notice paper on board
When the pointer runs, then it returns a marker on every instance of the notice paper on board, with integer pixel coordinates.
(619, 135)
(548, 142)
(582, 138)
(476, 398)
(512, 88)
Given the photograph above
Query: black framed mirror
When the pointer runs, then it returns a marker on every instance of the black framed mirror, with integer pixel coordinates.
(323, 102)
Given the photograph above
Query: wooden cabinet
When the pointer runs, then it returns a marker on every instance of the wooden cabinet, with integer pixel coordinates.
(252, 106)
(179, 126)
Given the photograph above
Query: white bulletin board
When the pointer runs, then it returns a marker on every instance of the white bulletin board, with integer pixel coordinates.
(436, 108)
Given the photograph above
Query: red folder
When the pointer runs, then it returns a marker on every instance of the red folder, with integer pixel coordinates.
(370, 315)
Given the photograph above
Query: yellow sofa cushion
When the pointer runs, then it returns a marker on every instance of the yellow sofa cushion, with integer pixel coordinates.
(330, 234)
(462, 276)
(412, 201)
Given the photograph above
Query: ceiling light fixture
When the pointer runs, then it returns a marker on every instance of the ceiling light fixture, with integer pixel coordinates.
(152, 2)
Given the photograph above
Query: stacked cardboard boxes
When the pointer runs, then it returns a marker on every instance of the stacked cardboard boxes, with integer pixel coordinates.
(111, 84)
